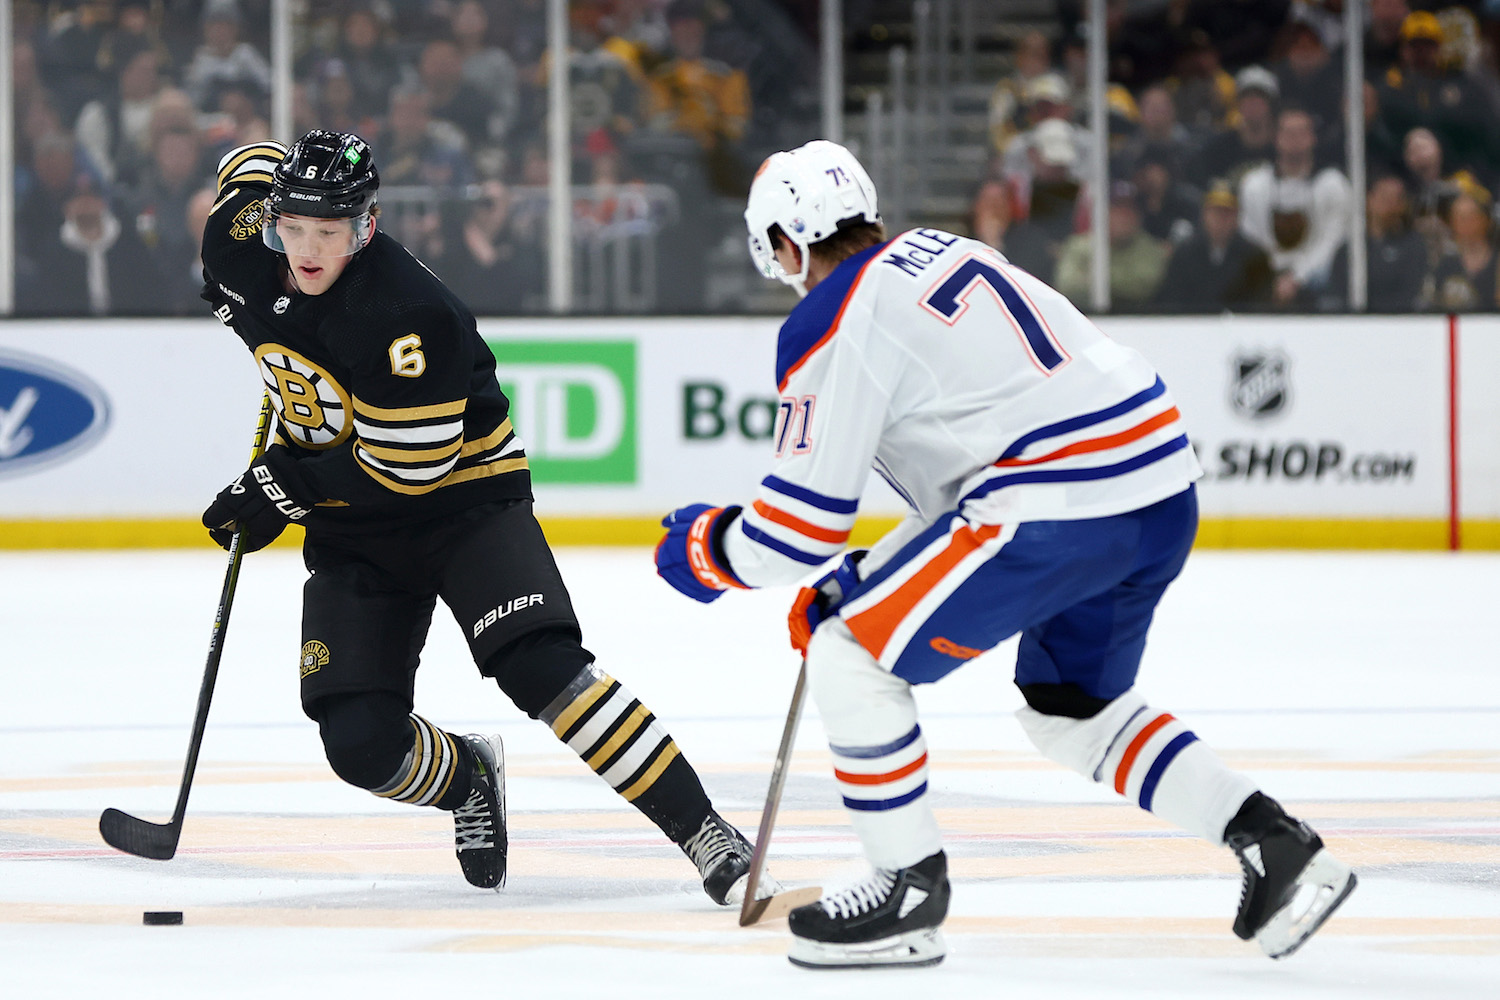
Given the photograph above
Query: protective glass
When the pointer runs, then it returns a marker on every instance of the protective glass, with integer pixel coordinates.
(304, 236)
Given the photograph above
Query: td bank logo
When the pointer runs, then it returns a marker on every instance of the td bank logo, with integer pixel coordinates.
(573, 403)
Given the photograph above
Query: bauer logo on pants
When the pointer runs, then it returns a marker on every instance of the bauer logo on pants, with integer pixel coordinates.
(314, 656)
(47, 413)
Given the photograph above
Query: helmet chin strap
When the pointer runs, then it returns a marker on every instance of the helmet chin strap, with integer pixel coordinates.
(799, 280)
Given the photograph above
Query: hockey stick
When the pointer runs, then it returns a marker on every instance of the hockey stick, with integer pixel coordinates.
(754, 910)
(143, 838)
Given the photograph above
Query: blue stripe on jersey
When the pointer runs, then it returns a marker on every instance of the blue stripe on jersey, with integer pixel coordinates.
(833, 505)
(777, 545)
(1077, 475)
(814, 315)
(1159, 767)
(1087, 420)
(900, 743)
(880, 805)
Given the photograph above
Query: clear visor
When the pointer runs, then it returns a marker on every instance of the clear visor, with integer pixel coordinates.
(305, 236)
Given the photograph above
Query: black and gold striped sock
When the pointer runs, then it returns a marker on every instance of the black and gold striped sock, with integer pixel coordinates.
(624, 744)
(435, 771)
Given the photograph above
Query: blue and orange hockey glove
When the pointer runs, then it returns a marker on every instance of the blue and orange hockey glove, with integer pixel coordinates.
(816, 604)
(691, 556)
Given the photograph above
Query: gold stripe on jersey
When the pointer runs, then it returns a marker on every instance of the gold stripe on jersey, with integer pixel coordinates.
(237, 158)
(644, 782)
(496, 468)
(615, 735)
(427, 771)
(578, 697)
(447, 451)
(493, 439)
(409, 414)
(223, 198)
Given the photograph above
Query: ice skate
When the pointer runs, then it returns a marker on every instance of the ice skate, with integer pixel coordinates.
(891, 918)
(479, 836)
(723, 858)
(1292, 884)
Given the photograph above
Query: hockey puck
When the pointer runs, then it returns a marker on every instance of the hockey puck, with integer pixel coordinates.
(161, 918)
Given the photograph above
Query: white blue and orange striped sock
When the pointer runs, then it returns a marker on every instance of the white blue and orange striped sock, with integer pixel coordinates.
(885, 790)
(1149, 757)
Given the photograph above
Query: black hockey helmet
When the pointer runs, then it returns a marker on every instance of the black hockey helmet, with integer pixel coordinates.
(325, 175)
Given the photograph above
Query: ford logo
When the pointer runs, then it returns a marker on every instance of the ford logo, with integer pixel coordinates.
(47, 412)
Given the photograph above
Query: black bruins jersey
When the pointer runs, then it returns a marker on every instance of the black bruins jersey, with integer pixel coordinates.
(383, 389)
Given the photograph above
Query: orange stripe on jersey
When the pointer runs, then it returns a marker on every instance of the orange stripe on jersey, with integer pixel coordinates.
(834, 326)
(1099, 444)
(800, 526)
(880, 779)
(1134, 750)
(874, 627)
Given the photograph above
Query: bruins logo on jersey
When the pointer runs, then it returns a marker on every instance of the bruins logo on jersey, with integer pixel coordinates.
(314, 409)
(247, 221)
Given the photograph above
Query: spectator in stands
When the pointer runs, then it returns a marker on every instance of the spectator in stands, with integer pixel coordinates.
(604, 92)
(991, 214)
(1144, 40)
(1159, 127)
(336, 104)
(1201, 89)
(1243, 30)
(488, 262)
(1433, 190)
(68, 56)
(55, 175)
(1228, 155)
(157, 208)
(451, 99)
(115, 129)
(1169, 207)
(487, 67)
(189, 283)
(1032, 58)
(1464, 278)
(92, 266)
(1395, 255)
(1216, 268)
(371, 65)
(703, 98)
(1137, 261)
(1383, 37)
(419, 150)
(223, 59)
(1308, 76)
(1048, 193)
(1422, 92)
(1294, 211)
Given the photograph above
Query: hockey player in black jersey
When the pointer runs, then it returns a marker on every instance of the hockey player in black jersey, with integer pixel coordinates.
(394, 448)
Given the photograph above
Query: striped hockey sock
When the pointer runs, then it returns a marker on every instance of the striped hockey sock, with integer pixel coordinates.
(622, 742)
(427, 775)
(1151, 758)
(884, 787)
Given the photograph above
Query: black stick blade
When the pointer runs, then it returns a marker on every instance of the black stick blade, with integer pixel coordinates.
(140, 837)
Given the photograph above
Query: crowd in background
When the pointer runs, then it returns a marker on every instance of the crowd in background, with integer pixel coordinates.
(1228, 182)
(1227, 164)
(124, 106)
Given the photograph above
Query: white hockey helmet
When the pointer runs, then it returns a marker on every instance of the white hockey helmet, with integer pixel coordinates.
(809, 192)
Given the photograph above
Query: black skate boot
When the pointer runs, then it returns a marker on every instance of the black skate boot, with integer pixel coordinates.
(1291, 884)
(891, 918)
(722, 855)
(479, 837)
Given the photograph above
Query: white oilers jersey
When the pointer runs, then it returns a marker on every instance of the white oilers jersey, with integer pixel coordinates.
(967, 384)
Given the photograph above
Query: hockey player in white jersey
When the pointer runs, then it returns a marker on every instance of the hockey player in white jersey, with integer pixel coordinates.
(1050, 482)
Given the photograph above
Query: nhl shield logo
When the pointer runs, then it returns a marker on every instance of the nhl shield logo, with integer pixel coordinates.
(279, 306)
(1261, 386)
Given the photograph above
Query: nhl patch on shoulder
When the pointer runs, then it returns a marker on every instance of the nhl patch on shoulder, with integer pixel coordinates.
(314, 657)
(247, 221)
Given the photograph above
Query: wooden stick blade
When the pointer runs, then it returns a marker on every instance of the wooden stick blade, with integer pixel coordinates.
(777, 906)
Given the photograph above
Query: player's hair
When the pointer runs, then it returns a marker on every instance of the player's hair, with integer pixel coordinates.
(852, 237)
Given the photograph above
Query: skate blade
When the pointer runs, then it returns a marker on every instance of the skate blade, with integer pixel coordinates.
(914, 949)
(774, 907)
(1323, 885)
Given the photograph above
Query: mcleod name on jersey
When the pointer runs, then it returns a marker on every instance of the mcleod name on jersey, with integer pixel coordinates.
(969, 385)
(383, 389)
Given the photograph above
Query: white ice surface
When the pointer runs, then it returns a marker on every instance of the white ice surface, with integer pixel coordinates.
(1362, 690)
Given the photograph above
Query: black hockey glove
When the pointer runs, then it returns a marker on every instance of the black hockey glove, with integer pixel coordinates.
(263, 500)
